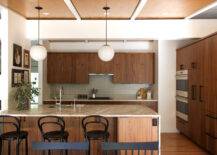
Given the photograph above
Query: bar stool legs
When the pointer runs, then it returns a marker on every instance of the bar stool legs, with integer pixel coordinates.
(17, 147)
(9, 147)
(0, 147)
(26, 146)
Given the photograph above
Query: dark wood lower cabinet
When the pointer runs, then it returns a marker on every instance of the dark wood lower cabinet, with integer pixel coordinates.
(211, 144)
(182, 126)
(128, 129)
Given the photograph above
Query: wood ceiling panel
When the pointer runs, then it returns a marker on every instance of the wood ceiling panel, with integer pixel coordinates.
(92, 9)
(57, 9)
(171, 8)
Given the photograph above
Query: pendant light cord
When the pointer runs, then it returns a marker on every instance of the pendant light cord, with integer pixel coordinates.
(38, 26)
(106, 8)
(38, 23)
(39, 8)
(106, 24)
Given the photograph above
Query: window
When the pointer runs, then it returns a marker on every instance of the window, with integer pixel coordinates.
(34, 77)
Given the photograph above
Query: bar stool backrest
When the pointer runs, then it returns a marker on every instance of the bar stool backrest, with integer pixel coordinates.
(51, 123)
(95, 122)
(10, 122)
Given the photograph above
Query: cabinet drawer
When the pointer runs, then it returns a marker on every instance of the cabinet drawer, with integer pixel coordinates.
(211, 144)
(182, 126)
(211, 126)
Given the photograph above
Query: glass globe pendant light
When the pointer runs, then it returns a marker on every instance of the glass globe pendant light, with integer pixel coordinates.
(38, 52)
(106, 52)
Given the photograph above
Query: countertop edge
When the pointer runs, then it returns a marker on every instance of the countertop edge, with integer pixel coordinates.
(113, 100)
(63, 115)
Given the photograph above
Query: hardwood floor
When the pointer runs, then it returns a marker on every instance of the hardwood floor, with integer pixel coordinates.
(177, 144)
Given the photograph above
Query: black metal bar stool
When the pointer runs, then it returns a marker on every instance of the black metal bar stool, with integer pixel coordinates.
(100, 131)
(16, 134)
(53, 135)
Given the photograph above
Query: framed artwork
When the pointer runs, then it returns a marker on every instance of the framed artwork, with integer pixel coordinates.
(17, 55)
(26, 76)
(17, 76)
(26, 59)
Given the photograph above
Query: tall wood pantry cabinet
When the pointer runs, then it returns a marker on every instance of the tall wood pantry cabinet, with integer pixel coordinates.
(200, 59)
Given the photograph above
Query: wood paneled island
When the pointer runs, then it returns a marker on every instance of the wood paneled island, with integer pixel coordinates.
(127, 123)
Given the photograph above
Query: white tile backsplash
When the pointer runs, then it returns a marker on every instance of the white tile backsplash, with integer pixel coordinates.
(101, 82)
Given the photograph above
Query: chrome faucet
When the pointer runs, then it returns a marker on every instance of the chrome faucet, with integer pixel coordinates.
(93, 93)
(60, 96)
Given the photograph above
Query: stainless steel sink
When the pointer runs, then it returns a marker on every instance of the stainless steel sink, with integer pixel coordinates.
(100, 98)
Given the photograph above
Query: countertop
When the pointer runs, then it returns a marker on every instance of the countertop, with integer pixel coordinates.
(111, 100)
(81, 110)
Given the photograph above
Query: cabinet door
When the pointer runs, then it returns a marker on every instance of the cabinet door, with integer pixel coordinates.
(60, 68)
(68, 68)
(134, 68)
(54, 68)
(145, 68)
(119, 68)
(183, 58)
(81, 65)
(210, 68)
(196, 88)
(179, 60)
(199, 66)
(194, 108)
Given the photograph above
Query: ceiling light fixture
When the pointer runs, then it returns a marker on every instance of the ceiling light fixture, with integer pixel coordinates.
(106, 52)
(38, 52)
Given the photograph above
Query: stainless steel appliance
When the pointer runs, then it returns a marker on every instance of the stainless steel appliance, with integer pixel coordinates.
(182, 94)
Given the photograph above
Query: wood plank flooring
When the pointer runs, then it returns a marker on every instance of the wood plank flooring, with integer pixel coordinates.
(177, 144)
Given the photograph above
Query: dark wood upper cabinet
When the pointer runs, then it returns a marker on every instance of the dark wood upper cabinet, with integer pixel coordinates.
(119, 68)
(134, 68)
(81, 68)
(144, 67)
(75, 67)
(60, 68)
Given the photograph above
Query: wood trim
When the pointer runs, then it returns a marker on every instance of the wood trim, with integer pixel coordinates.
(206, 37)
(43, 18)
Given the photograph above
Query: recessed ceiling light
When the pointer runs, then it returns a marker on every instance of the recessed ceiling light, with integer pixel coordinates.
(45, 13)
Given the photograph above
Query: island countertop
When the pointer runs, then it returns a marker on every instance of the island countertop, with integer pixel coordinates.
(81, 110)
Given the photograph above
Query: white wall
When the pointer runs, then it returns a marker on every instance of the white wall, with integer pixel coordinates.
(17, 35)
(118, 29)
(13, 30)
(4, 48)
(167, 83)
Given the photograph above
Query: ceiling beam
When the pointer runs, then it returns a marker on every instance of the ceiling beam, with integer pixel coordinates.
(138, 9)
(72, 8)
(214, 4)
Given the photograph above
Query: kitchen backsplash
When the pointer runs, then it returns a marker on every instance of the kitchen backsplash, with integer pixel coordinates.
(103, 83)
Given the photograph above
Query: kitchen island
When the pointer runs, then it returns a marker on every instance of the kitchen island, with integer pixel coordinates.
(127, 123)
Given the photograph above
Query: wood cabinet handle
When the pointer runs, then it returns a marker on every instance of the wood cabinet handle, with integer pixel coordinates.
(193, 65)
(200, 94)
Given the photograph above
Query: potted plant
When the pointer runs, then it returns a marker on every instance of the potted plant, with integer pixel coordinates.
(24, 95)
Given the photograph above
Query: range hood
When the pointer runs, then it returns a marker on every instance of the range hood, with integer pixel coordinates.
(100, 74)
